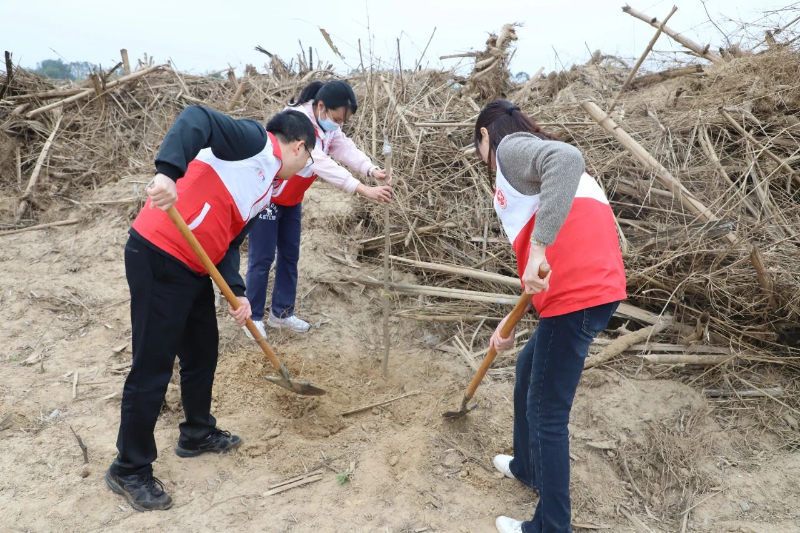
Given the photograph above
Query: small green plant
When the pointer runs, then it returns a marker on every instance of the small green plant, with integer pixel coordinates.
(343, 477)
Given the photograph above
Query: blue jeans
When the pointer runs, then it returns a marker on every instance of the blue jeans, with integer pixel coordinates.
(548, 370)
(277, 228)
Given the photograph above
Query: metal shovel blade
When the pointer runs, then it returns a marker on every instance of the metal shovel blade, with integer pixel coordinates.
(461, 412)
(303, 388)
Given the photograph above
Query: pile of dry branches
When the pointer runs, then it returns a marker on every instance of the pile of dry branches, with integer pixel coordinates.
(699, 161)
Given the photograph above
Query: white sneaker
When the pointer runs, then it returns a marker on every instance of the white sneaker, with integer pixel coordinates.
(505, 524)
(260, 325)
(503, 464)
(291, 322)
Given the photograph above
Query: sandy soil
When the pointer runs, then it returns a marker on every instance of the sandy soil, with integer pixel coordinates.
(64, 309)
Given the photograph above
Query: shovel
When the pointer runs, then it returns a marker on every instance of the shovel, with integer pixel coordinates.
(508, 327)
(285, 380)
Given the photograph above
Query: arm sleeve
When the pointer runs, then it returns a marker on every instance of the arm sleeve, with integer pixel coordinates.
(229, 266)
(198, 127)
(345, 151)
(556, 166)
(332, 172)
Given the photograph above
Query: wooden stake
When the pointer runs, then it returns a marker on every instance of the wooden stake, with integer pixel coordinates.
(387, 247)
(677, 37)
(126, 66)
(641, 59)
(370, 406)
(23, 204)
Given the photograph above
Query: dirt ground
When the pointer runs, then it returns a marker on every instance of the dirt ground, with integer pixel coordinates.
(64, 309)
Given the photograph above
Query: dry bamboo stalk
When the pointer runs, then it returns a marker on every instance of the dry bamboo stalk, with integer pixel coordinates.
(750, 393)
(23, 204)
(19, 166)
(708, 149)
(763, 278)
(761, 148)
(658, 77)
(305, 481)
(239, 92)
(400, 112)
(126, 65)
(378, 404)
(448, 318)
(686, 359)
(75, 386)
(624, 342)
(441, 292)
(641, 59)
(88, 92)
(677, 37)
(387, 247)
(41, 226)
(463, 271)
(679, 192)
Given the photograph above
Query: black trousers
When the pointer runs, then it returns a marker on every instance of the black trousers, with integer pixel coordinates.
(172, 312)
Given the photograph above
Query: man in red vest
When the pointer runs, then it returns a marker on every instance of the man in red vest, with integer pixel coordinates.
(218, 172)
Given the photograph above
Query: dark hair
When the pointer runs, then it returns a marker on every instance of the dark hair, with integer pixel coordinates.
(290, 126)
(501, 118)
(334, 94)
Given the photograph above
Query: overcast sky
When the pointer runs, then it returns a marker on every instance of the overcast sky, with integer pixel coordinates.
(202, 35)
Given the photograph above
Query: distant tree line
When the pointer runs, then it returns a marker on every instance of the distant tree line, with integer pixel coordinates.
(60, 70)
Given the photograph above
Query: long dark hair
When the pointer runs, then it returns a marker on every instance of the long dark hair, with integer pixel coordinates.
(501, 118)
(334, 94)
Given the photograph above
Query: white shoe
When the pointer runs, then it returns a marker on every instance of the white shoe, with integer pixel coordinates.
(291, 322)
(503, 464)
(505, 524)
(260, 326)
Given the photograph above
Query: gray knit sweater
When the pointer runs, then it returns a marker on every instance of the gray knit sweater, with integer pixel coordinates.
(551, 169)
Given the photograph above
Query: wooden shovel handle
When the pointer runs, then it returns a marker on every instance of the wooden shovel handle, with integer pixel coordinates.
(505, 332)
(201, 254)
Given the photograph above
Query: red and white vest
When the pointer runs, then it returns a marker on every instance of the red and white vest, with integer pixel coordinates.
(216, 198)
(585, 258)
(292, 191)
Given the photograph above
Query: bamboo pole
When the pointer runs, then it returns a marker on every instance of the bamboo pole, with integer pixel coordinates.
(88, 92)
(677, 37)
(641, 59)
(239, 91)
(387, 247)
(441, 292)
(23, 203)
(657, 77)
(662, 175)
(763, 149)
(126, 65)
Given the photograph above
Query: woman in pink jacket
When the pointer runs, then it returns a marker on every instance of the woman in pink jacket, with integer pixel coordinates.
(328, 106)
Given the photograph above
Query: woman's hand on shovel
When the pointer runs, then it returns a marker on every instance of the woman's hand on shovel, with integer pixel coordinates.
(500, 343)
(243, 312)
(530, 278)
(162, 192)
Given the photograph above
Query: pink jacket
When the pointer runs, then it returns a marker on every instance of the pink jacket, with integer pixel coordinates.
(342, 150)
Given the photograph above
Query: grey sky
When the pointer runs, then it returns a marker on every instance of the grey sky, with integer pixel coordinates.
(202, 35)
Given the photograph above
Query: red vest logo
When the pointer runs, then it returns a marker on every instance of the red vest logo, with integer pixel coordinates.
(501, 199)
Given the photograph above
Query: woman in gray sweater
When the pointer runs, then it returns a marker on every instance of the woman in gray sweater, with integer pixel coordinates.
(552, 211)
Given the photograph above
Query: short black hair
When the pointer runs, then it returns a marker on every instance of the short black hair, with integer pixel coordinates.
(290, 126)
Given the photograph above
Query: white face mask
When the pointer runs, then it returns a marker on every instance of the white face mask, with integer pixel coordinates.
(327, 124)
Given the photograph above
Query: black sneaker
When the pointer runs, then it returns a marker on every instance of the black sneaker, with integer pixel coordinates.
(143, 491)
(217, 442)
